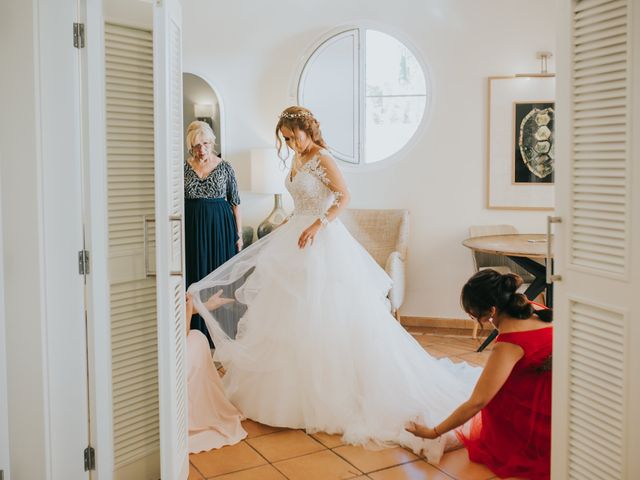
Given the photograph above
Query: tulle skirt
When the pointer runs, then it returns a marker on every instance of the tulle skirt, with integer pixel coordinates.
(210, 240)
(317, 347)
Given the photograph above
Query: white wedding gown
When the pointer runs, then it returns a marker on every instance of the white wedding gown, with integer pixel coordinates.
(316, 346)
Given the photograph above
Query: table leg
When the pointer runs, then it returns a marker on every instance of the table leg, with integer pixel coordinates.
(549, 293)
(539, 283)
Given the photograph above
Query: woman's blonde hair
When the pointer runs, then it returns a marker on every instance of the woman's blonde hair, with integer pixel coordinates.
(198, 128)
(299, 118)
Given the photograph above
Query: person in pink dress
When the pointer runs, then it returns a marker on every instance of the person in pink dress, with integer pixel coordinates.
(510, 407)
(213, 421)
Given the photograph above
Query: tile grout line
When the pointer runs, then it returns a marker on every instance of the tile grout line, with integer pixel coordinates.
(288, 458)
(197, 470)
(279, 471)
(373, 471)
(442, 471)
(297, 456)
(313, 453)
(264, 434)
(450, 475)
(249, 468)
(401, 464)
(255, 450)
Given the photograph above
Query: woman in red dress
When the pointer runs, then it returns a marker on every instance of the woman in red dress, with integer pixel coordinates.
(510, 407)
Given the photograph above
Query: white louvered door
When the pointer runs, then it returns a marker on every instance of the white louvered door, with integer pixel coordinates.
(169, 239)
(131, 199)
(596, 360)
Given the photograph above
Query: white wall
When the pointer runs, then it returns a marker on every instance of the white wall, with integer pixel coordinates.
(4, 407)
(20, 158)
(250, 51)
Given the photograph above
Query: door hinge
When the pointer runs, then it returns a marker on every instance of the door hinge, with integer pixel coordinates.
(83, 262)
(78, 35)
(89, 459)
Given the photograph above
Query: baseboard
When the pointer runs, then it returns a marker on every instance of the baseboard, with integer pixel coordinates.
(434, 322)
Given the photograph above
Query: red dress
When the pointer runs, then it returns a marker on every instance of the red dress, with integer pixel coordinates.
(512, 434)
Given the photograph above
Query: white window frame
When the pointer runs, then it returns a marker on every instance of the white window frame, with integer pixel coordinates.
(318, 46)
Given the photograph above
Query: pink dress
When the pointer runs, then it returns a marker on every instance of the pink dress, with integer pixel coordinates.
(213, 421)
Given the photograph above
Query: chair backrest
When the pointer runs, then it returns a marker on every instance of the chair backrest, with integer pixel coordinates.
(380, 232)
(482, 260)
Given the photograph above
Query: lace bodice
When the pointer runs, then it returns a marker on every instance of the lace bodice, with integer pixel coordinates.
(310, 188)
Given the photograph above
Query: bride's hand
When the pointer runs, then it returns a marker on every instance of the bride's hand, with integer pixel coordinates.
(309, 234)
(421, 431)
(216, 301)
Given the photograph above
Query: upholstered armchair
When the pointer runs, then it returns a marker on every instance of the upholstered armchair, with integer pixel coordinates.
(385, 235)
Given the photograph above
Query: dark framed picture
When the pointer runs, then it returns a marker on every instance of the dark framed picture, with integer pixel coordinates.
(520, 142)
(533, 142)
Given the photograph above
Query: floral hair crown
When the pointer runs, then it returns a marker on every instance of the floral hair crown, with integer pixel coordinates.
(295, 115)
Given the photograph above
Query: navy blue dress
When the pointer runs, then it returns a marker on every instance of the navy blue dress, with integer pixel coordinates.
(211, 232)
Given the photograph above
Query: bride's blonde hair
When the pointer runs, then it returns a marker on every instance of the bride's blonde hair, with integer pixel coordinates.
(298, 118)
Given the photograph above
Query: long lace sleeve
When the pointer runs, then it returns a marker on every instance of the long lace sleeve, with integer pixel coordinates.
(332, 177)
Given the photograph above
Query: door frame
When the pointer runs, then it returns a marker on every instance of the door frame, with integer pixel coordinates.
(62, 127)
(97, 238)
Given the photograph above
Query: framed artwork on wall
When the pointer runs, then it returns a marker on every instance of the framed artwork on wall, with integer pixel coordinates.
(521, 142)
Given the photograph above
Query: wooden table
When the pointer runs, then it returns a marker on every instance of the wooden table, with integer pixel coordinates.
(525, 249)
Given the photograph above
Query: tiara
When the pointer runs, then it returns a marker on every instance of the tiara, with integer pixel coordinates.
(295, 115)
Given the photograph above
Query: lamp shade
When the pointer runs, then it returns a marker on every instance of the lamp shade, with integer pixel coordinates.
(267, 171)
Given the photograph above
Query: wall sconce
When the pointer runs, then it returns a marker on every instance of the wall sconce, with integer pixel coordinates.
(544, 61)
(204, 113)
(543, 57)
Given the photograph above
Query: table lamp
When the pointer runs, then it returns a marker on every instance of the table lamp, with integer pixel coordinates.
(267, 176)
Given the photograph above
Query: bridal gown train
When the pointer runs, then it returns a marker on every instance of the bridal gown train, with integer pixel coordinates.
(315, 345)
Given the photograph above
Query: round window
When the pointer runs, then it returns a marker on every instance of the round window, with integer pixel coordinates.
(369, 92)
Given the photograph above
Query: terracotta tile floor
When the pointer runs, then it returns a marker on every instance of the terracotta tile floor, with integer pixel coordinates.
(270, 453)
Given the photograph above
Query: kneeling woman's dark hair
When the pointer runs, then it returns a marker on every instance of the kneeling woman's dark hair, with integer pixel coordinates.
(488, 288)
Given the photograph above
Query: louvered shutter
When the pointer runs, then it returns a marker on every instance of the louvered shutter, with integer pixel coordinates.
(600, 189)
(595, 411)
(596, 386)
(169, 235)
(130, 170)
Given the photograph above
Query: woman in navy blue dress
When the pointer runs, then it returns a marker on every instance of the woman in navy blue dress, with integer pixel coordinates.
(211, 208)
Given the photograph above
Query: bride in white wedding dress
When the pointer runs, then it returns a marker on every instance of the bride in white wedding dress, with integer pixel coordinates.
(316, 346)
